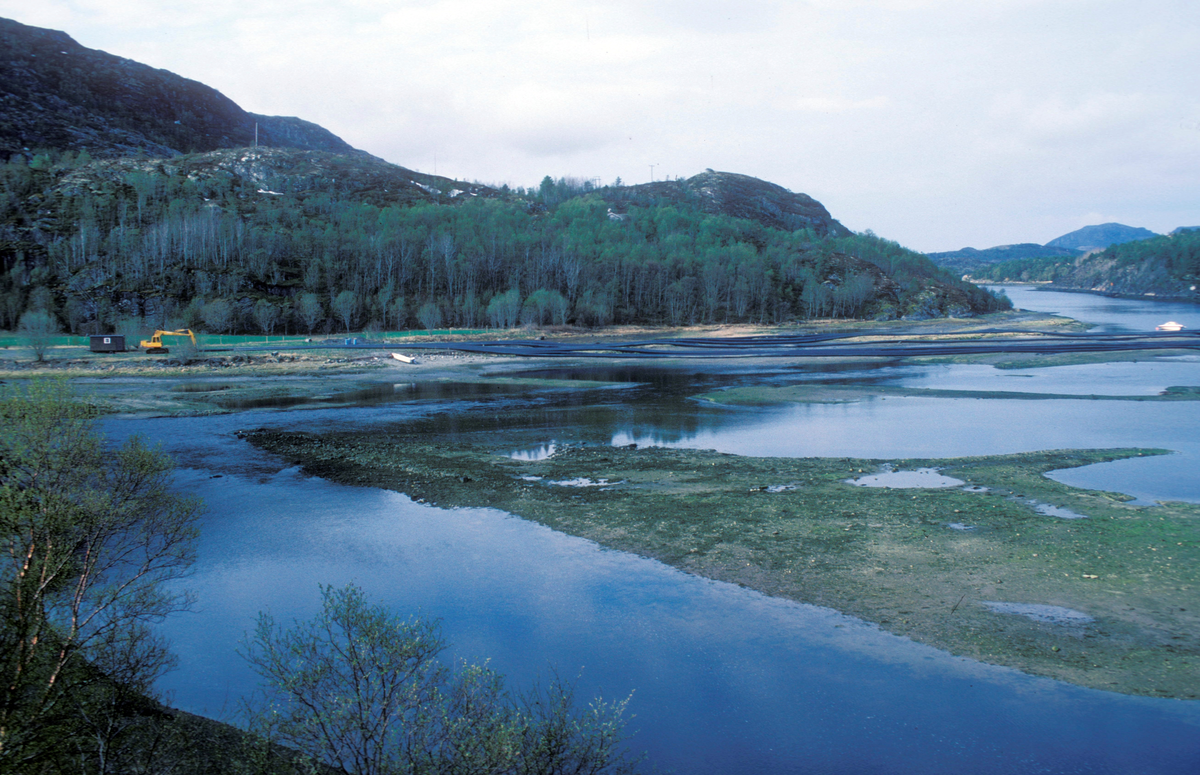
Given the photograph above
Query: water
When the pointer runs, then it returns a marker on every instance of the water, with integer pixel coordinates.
(922, 478)
(908, 427)
(1107, 314)
(724, 679)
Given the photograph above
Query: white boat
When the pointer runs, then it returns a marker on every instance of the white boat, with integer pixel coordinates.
(1170, 325)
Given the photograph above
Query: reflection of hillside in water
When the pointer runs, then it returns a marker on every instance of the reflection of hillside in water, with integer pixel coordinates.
(690, 378)
(654, 408)
(536, 424)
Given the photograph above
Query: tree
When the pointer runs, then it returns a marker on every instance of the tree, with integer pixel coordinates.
(308, 308)
(544, 306)
(345, 306)
(38, 328)
(218, 315)
(430, 315)
(92, 539)
(360, 690)
(266, 315)
(504, 310)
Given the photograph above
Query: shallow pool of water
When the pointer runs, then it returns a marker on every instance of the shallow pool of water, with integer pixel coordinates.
(1134, 378)
(921, 478)
(893, 428)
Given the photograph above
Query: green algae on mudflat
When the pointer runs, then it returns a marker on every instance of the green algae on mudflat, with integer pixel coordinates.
(921, 563)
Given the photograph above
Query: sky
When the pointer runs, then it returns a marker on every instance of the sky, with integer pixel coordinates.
(939, 124)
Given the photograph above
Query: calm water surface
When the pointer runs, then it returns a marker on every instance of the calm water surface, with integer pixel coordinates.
(724, 679)
(1106, 314)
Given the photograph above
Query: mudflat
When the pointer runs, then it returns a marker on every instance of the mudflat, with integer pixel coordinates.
(1008, 567)
(1101, 595)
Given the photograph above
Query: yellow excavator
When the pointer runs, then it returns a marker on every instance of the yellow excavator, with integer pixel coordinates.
(154, 345)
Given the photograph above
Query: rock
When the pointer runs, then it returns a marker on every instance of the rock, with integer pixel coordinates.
(739, 196)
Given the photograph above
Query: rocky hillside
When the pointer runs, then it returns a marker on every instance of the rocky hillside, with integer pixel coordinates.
(278, 239)
(275, 172)
(56, 94)
(130, 200)
(1166, 267)
(738, 196)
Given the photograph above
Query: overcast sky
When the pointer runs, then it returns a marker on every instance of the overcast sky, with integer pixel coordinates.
(937, 123)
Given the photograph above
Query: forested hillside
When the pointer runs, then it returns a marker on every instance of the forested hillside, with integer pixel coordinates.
(969, 260)
(1164, 266)
(1056, 251)
(280, 240)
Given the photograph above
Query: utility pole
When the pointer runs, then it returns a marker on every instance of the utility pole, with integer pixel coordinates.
(652, 166)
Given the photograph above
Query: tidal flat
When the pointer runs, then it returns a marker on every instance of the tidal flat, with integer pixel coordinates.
(835, 394)
(983, 570)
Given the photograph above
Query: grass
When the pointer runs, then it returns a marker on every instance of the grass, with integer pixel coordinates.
(887, 556)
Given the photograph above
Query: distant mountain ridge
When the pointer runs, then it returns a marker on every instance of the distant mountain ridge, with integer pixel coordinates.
(55, 93)
(966, 260)
(1160, 266)
(1076, 243)
(1099, 237)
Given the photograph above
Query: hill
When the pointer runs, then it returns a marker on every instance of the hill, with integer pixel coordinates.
(1163, 266)
(967, 260)
(268, 172)
(970, 261)
(1100, 237)
(738, 196)
(57, 94)
(131, 201)
(266, 239)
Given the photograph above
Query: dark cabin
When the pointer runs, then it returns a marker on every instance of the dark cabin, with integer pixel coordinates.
(108, 343)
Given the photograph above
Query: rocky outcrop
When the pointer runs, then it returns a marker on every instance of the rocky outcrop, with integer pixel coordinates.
(739, 196)
(268, 172)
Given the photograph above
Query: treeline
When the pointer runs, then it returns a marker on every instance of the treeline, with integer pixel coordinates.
(228, 254)
(1165, 266)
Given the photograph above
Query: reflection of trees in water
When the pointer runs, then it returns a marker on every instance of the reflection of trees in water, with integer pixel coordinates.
(576, 418)
(643, 404)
